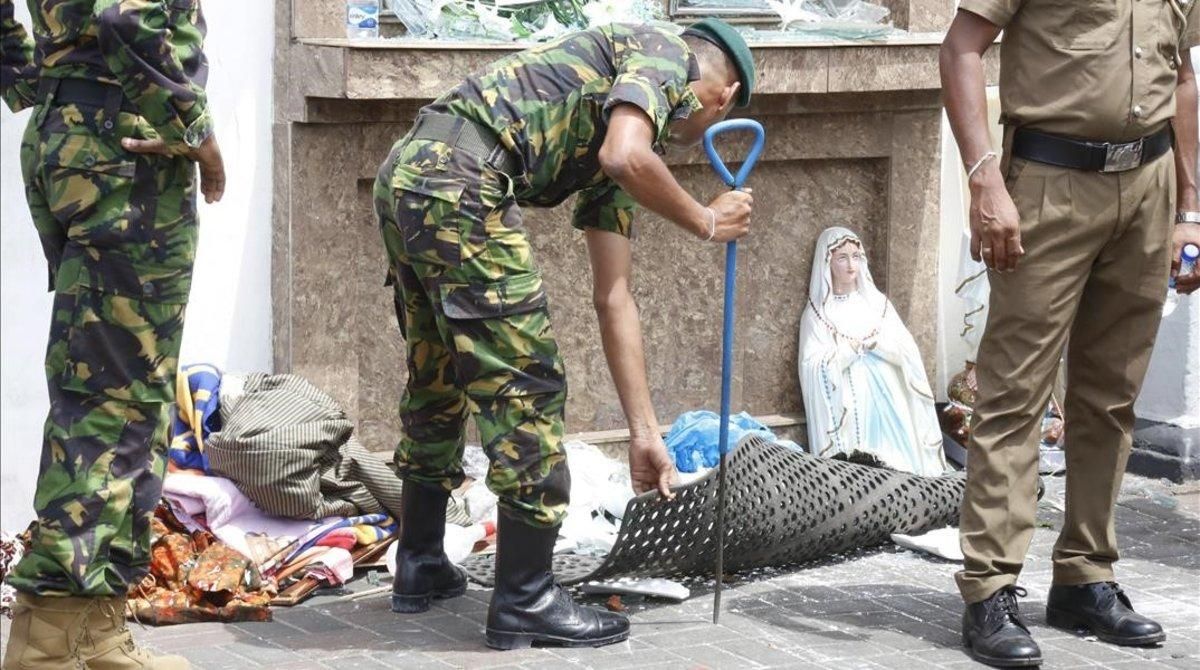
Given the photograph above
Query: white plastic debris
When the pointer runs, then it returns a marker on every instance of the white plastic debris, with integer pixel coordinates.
(941, 542)
(475, 462)
(480, 502)
(626, 586)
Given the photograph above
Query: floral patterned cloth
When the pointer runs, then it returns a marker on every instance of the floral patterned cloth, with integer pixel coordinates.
(195, 577)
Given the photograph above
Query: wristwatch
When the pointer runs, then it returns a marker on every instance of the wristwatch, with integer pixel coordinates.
(1187, 217)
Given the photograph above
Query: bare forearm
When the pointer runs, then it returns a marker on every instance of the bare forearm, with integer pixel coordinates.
(1186, 138)
(621, 335)
(966, 103)
(643, 175)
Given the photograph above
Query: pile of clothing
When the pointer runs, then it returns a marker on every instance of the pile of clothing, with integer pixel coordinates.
(12, 548)
(196, 577)
(266, 486)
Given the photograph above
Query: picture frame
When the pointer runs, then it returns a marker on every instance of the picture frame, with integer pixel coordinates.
(752, 10)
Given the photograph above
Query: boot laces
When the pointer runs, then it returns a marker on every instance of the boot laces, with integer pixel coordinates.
(1110, 592)
(118, 619)
(1005, 605)
(84, 638)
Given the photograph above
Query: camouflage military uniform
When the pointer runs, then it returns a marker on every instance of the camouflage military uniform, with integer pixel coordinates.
(18, 75)
(119, 234)
(468, 294)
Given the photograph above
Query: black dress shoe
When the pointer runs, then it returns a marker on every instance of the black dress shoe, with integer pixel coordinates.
(1102, 609)
(994, 633)
(529, 608)
(423, 573)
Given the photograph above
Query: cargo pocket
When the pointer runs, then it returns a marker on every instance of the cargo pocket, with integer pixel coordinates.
(87, 177)
(503, 344)
(124, 333)
(429, 211)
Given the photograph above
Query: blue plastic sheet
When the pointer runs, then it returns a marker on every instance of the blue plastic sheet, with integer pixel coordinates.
(693, 439)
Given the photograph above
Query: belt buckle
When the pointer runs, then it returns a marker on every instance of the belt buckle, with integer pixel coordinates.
(1122, 157)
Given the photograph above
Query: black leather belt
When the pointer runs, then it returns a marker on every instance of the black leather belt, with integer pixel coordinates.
(85, 92)
(468, 136)
(1092, 156)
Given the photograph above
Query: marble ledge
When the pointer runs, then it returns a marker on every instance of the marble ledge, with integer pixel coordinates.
(366, 70)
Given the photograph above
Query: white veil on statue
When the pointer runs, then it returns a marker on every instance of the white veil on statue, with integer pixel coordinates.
(861, 375)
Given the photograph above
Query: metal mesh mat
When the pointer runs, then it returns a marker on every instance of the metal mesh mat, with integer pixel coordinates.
(783, 507)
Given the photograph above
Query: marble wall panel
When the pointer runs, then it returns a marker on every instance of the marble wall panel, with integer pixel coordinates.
(833, 159)
(929, 15)
(873, 69)
(351, 345)
(318, 18)
(913, 234)
(791, 71)
(382, 362)
(281, 248)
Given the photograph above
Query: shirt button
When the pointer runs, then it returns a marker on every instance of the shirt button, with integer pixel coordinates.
(1137, 111)
(1137, 52)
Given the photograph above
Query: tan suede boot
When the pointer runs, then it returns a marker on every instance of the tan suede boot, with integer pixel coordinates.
(109, 644)
(47, 633)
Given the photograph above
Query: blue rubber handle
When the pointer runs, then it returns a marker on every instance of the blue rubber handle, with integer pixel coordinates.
(733, 181)
(760, 138)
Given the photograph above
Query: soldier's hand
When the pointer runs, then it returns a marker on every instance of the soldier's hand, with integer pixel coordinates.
(208, 156)
(650, 466)
(732, 210)
(212, 169)
(995, 223)
(1185, 233)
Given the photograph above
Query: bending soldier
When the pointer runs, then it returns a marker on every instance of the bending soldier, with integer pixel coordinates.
(587, 114)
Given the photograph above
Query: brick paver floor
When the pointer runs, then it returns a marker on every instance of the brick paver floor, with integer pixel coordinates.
(882, 608)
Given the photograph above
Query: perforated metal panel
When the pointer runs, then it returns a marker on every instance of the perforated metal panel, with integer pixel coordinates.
(783, 507)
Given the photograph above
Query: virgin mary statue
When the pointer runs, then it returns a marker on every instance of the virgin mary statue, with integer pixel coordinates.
(863, 382)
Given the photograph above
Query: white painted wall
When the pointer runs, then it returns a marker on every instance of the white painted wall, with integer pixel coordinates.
(1172, 389)
(229, 316)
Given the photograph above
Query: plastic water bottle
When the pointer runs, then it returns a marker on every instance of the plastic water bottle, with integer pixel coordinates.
(1187, 260)
(1187, 264)
(362, 19)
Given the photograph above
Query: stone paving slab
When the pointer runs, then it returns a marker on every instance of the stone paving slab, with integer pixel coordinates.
(877, 609)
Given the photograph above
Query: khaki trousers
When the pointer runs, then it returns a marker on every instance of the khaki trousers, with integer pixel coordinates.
(1093, 279)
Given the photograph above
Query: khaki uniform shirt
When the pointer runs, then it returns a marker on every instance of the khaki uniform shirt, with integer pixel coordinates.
(1100, 70)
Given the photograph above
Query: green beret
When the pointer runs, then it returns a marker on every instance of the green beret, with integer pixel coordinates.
(730, 41)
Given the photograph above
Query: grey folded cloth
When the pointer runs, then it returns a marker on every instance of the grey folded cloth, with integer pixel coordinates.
(291, 449)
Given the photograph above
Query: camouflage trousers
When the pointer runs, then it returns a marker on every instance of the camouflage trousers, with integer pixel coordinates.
(119, 234)
(473, 314)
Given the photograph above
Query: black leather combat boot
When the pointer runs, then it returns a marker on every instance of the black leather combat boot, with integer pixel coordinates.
(1103, 609)
(529, 608)
(423, 573)
(994, 633)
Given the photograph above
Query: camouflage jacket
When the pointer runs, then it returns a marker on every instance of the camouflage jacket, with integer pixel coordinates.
(549, 106)
(153, 49)
(18, 75)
